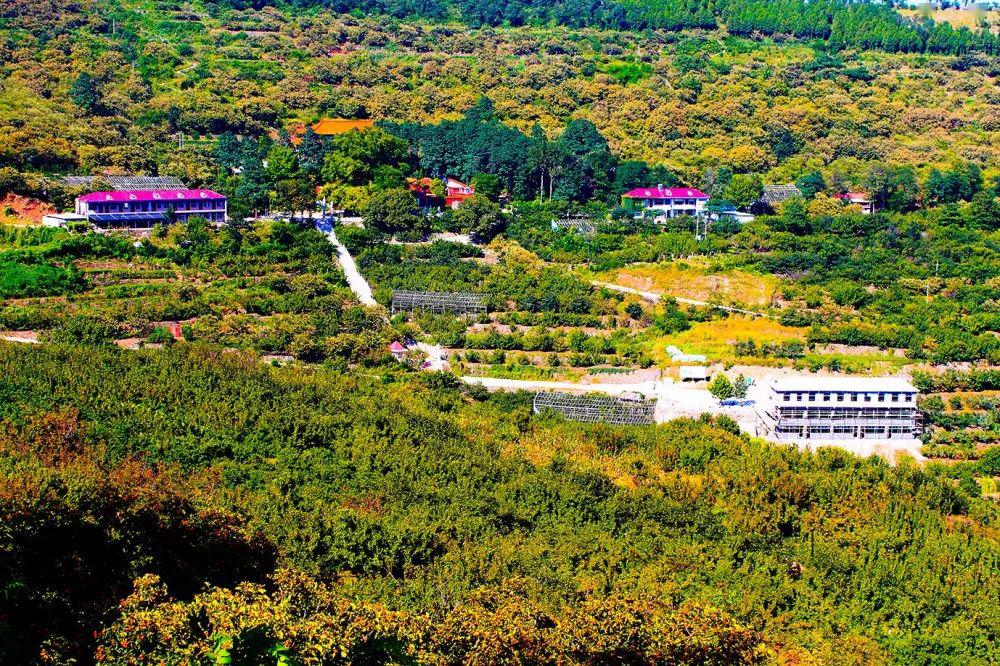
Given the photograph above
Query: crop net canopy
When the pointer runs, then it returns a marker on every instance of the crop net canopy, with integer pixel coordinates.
(438, 301)
(597, 409)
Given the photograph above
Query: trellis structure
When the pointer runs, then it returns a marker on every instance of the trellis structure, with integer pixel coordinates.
(129, 182)
(459, 302)
(597, 408)
(583, 225)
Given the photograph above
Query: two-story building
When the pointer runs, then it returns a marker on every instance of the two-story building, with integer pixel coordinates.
(670, 201)
(844, 408)
(142, 209)
(454, 191)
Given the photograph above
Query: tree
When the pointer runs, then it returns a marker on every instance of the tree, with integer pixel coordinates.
(394, 211)
(984, 211)
(810, 184)
(879, 184)
(481, 217)
(905, 193)
(295, 195)
(86, 92)
(354, 157)
(282, 164)
(740, 387)
(585, 162)
(822, 206)
(743, 190)
(539, 157)
(487, 184)
(721, 387)
(311, 152)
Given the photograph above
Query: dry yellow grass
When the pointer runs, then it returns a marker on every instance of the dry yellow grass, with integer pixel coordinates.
(715, 338)
(16, 220)
(957, 17)
(690, 281)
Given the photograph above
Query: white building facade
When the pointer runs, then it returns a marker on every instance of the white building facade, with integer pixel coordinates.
(671, 201)
(844, 408)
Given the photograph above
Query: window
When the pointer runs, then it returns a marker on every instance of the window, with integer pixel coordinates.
(840, 397)
(895, 397)
(909, 397)
(812, 396)
(881, 397)
(868, 397)
(785, 396)
(826, 397)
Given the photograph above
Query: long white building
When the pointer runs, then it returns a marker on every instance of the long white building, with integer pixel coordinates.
(831, 409)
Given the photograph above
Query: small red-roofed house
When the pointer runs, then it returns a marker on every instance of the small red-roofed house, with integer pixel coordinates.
(859, 199)
(456, 192)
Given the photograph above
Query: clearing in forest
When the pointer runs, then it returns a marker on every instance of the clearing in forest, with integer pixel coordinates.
(715, 338)
(958, 18)
(687, 280)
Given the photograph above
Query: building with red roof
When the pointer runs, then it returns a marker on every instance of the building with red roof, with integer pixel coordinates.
(455, 192)
(860, 199)
(671, 201)
(141, 209)
(335, 126)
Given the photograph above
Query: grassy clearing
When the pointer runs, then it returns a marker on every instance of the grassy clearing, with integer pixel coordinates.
(694, 281)
(715, 338)
(957, 17)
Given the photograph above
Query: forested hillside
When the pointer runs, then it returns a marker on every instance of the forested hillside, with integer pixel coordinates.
(85, 89)
(393, 518)
(211, 451)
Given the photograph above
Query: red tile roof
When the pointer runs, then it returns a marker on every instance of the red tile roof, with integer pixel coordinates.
(332, 126)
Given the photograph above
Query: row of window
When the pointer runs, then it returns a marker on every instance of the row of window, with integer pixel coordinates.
(843, 396)
(845, 432)
(845, 412)
(670, 202)
(145, 223)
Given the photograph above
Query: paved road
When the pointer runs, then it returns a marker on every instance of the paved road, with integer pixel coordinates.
(16, 337)
(355, 280)
(654, 297)
(646, 388)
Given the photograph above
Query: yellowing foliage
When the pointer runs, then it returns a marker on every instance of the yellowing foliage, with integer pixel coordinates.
(684, 280)
(715, 338)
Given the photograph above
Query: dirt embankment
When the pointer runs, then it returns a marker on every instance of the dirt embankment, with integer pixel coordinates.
(16, 208)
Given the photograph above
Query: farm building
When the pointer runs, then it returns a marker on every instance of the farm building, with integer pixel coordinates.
(142, 209)
(844, 408)
(671, 201)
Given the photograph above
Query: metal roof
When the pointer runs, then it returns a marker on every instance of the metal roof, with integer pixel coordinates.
(777, 193)
(129, 182)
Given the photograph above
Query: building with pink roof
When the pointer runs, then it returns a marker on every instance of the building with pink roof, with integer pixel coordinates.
(671, 201)
(860, 199)
(141, 209)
